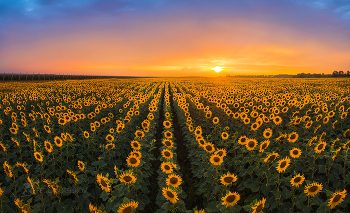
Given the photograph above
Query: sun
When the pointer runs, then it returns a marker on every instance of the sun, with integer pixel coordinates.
(217, 69)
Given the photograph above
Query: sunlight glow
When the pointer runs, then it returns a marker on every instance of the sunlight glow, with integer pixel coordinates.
(217, 69)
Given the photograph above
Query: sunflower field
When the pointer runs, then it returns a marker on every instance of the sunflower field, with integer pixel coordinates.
(175, 145)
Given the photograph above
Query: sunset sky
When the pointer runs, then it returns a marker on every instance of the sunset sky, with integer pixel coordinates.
(174, 38)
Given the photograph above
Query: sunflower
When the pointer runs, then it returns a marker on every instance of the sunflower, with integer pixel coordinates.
(227, 179)
(128, 207)
(220, 152)
(38, 156)
(168, 134)
(346, 133)
(48, 146)
(15, 142)
(246, 120)
(277, 120)
(13, 130)
(168, 143)
(283, 164)
(72, 176)
(337, 198)
(199, 211)
(216, 160)
(22, 167)
(335, 142)
(133, 161)
(242, 140)
(2, 147)
(166, 167)
(308, 124)
(293, 137)
(110, 146)
(62, 121)
(320, 147)
(198, 131)
(136, 153)
(313, 189)
(127, 178)
(224, 135)
(174, 180)
(167, 154)
(167, 124)
(170, 195)
(334, 124)
(297, 180)
(31, 184)
(135, 145)
(297, 120)
(295, 153)
(312, 140)
(47, 129)
(81, 165)
(139, 134)
(209, 147)
(215, 120)
(103, 182)
(230, 199)
(8, 169)
(267, 133)
(86, 134)
(271, 157)
(346, 145)
(260, 204)
(282, 137)
(58, 141)
(343, 115)
(264, 145)
(201, 141)
(251, 144)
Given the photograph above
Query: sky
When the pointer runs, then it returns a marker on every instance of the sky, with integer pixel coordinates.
(174, 38)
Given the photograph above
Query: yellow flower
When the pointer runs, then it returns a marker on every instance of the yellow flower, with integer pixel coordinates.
(259, 206)
(174, 180)
(336, 198)
(103, 182)
(170, 195)
(295, 153)
(228, 178)
(230, 199)
(297, 180)
(283, 164)
(313, 189)
(127, 178)
(128, 207)
(216, 160)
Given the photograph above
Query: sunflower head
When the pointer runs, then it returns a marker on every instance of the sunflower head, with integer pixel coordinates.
(271, 157)
(242, 140)
(216, 160)
(170, 195)
(224, 135)
(168, 143)
(320, 147)
(128, 207)
(167, 154)
(313, 189)
(81, 165)
(264, 145)
(251, 144)
(230, 199)
(174, 180)
(283, 164)
(228, 178)
(103, 182)
(259, 206)
(127, 178)
(166, 167)
(209, 147)
(297, 180)
(295, 153)
(135, 145)
(337, 198)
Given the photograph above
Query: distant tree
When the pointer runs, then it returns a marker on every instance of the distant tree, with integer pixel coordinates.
(340, 73)
(335, 73)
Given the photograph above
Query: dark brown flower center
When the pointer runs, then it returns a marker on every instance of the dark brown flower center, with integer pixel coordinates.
(259, 208)
(209, 148)
(295, 152)
(167, 143)
(272, 158)
(220, 153)
(128, 209)
(216, 159)
(243, 140)
(297, 179)
(170, 194)
(133, 161)
(320, 147)
(135, 145)
(231, 198)
(313, 189)
(127, 179)
(283, 164)
(251, 144)
(174, 180)
(336, 198)
(103, 183)
(166, 167)
(228, 179)
(264, 146)
(292, 137)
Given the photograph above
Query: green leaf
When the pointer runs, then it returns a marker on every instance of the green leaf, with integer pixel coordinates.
(104, 196)
(286, 193)
(322, 169)
(323, 208)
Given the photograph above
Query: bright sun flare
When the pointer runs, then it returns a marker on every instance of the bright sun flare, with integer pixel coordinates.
(217, 69)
